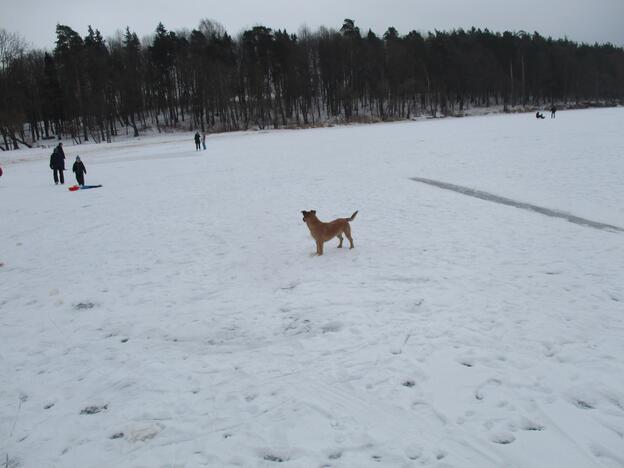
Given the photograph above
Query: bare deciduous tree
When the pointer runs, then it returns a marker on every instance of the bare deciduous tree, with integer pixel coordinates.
(209, 27)
(12, 46)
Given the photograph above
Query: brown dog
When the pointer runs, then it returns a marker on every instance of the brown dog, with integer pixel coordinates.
(322, 232)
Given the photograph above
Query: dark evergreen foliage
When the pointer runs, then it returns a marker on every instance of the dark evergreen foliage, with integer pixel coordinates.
(92, 89)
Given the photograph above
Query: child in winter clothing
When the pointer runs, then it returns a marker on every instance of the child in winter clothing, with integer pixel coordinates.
(80, 170)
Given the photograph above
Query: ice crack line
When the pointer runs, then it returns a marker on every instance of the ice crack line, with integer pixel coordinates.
(525, 206)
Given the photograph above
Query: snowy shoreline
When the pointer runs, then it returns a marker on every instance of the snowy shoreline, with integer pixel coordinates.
(170, 134)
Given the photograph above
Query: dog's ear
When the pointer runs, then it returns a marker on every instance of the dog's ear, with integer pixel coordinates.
(304, 212)
(313, 211)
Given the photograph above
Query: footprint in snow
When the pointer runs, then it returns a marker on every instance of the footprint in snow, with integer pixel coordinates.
(603, 453)
(583, 404)
(502, 438)
(94, 409)
(142, 432)
(524, 424)
(528, 425)
(480, 394)
(466, 362)
(549, 350)
(274, 458)
(414, 452)
(582, 397)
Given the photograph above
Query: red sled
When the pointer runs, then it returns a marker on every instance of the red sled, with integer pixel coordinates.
(73, 188)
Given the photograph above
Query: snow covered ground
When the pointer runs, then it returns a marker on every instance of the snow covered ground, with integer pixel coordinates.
(176, 317)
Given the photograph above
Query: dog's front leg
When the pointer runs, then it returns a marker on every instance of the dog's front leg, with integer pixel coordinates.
(319, 247)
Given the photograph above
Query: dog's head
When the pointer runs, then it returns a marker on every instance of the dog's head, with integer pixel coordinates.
(307, 215)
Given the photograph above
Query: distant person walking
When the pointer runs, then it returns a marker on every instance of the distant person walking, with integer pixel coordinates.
(204, 140)
(197, 141)
(80, 170)
(57, 163)
(553, 110)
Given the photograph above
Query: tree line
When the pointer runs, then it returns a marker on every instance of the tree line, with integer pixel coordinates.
(92, 89)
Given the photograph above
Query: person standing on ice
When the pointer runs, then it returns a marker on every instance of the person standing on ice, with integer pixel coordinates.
(553, 110)
(80, 170)
(57, 163)
(204, 140)
(197, 141)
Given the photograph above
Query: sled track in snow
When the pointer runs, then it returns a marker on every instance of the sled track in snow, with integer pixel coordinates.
(524, 206)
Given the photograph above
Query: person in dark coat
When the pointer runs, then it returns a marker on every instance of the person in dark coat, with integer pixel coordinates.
(80, 170)
(553, 110)
(197, 141)
(57, 163)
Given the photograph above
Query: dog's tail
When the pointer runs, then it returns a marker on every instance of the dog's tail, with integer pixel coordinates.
(352, 216)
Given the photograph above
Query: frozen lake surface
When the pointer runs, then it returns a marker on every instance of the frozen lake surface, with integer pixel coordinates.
(176, 317)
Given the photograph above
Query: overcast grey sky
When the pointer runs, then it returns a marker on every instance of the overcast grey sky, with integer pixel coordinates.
(580, 20)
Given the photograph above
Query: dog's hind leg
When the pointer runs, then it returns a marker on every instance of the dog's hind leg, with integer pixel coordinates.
(347, 232)
(340, 237)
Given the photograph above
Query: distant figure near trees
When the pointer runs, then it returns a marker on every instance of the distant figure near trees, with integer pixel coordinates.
(204, 140)
(80, 170)
(57, 163)
(197, 141)
(539, 115)
(553, 110)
